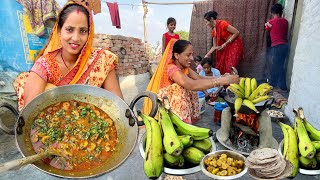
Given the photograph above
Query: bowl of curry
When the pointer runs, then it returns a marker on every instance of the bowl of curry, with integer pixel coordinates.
(84, 134)
(89, 126)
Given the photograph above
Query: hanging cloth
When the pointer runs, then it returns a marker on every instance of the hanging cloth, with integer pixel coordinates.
(38, 12)
(114, 14)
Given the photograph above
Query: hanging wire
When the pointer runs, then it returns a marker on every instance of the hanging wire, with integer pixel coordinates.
(124, 4)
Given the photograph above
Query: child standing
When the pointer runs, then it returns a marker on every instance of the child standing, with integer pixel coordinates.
(198, 60)
(278, 28)
(208, 70)
(171, 25)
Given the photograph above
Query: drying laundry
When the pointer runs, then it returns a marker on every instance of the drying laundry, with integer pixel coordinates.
(114, 14)
(38, 12)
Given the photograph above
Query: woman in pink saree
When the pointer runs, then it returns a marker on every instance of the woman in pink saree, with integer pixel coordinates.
(69, 58)
(175, 80)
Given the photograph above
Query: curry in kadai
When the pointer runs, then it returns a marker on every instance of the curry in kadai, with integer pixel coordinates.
(83, 133)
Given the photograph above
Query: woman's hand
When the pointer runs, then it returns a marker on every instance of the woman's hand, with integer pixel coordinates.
(234, 78)
(221, 47)
(230, 79)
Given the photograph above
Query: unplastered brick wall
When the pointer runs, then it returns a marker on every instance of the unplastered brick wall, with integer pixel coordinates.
(132, 54)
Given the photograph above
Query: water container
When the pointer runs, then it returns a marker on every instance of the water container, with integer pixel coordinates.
(218, 107)
(202, 102)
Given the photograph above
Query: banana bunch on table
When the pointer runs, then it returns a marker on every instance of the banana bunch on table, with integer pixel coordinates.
(301, 144)
(249, 93)
(172, 142)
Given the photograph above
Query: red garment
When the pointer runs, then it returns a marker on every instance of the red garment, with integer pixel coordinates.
(278, 31)
(224, 32)
(231, 55)
(168, 37)
(114, 14)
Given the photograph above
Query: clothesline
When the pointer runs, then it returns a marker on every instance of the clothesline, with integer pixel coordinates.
(145, 8)
(155, 3)
(168, 3)
(122, 4)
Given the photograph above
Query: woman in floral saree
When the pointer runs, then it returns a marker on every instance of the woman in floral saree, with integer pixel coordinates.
(175, 80)
(69, 58)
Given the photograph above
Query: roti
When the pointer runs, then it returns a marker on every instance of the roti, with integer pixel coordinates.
(259, 166)
(274, 173)
(262, 162)
(264, 153)
(275, 167)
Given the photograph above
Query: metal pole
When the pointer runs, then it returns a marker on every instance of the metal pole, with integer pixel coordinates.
(145, 9)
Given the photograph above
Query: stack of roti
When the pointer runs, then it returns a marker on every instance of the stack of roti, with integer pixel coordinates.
(266, 163)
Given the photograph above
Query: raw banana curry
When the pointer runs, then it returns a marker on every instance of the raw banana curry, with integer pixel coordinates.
(83, 133)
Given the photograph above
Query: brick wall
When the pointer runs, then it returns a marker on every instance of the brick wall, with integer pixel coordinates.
(133, 56)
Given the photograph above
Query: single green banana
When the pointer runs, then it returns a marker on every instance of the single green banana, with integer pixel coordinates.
(308, 163)
(247, 90)
(313, 133)
(236, 91)
(192, 155)
(153, 160)
(238, 87)
(182, 128)
(306, 148)
(171, 141)
(316, 145)
(285, 139)
(250, 105)
(186, 140)
(260, 99)
(255, 93)
(317, 156)
(253, 84)
(242, 82)
(204, 145)
(237, 106)
(292, 153)
(173, 160)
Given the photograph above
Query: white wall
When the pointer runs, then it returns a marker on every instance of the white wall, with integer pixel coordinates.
(305, 81)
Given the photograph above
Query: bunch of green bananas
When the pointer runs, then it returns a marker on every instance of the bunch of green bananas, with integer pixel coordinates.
(172, 141)
(249, 93)
(301, 145)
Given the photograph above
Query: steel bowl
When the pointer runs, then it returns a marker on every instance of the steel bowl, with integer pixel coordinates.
(231, 154)
(276, 118)
(182, 171)
(301, 170)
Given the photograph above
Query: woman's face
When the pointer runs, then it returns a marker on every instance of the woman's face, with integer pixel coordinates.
(211, 24)
(172, 26)
(207, 68)
(185, 58)
(74, 32)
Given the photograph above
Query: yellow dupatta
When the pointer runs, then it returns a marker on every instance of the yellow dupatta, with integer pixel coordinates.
(54, 43)
(157, 78)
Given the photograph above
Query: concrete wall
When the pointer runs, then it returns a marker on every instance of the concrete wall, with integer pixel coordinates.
(293, 13)
(305, 81)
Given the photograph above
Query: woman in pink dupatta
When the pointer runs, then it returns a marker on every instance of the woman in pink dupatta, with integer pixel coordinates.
(68, 58)
(175, 80)
(226, 42)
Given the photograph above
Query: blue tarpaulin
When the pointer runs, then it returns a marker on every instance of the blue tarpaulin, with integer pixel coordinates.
(18, 44)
